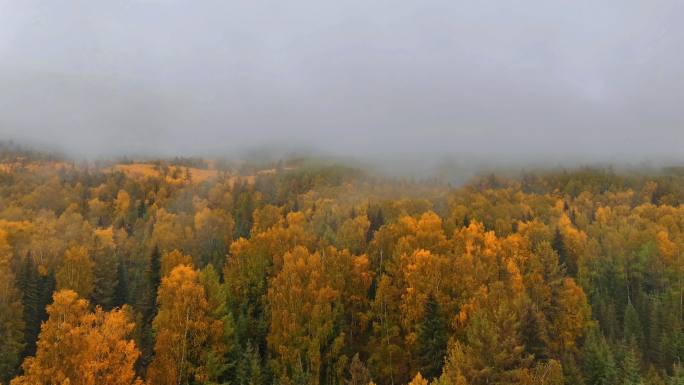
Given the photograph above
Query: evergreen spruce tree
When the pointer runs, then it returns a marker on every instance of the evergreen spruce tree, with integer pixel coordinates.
(149, 309)
(571, 371)
(244, 208)
(559, 245)
(630, 366)
(432, 340)
(632, 330)
(29, 284)
(11, 322)
(121, 289)
(249, 367)
(599, 362)
(105, 282)
(153, 279)
(376, 220)
(141, 210)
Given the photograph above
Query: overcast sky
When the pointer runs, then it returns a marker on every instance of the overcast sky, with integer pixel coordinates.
(595, 80)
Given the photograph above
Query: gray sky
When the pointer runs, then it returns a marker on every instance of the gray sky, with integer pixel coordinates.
(585, 80)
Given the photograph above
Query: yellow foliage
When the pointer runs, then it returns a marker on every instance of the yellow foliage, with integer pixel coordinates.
(418, 380)
(80, 347)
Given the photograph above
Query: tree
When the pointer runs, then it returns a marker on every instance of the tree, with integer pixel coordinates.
(148, 307)
(11, 322)
(184, 328)
(492, 351)
(76, 271)
(222, 355)
(172, 259)
(546, 373)
(358, 373)
(80, 347)
(249, 371)
(432, 340)
(121, 290)
(122, 208)
(352, 234)
(105, 277)
(29, 283)
(376, 219)
(244, 207)
(600, 364)
(630, 367)
(36, 293)
(302, 319)
(418, 380)
(633, 331)
(213, 233)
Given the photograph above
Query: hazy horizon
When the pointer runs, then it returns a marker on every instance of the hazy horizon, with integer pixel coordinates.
(505, 83)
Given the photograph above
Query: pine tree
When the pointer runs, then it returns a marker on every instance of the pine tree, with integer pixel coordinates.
(149, 306)
(559, 246)
(633, 332)
(630, 367)
(492, 351)
(572, 374)
(249, 370)
(141, 210)
(244, 207)
(432, 340)
(376, 219)
(105, 271)
(121, 289)
(11, 322)
(29, 284)
(600, 363)
(153, 279)
(221, 356)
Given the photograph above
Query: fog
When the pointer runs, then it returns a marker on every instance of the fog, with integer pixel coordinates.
(418, 81)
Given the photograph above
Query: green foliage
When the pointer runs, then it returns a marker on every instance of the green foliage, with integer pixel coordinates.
(11, 322)
(599, 361)
(570, 276)
(432, 340)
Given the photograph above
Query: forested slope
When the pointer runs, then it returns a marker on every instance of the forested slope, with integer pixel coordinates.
(315, 273)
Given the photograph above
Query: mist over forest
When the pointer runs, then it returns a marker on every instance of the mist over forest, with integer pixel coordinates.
(359, 192)
(540, 82)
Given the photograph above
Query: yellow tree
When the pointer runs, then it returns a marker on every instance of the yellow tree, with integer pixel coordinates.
(251, 262)
(418, 380)
(301, 307)
(122, 206)
(79, 347)
(265, 218)
(76, 271)
(184, 330)
(351, 275)
(168, 232)
(213, 234)
(352, 234)
(172, 259)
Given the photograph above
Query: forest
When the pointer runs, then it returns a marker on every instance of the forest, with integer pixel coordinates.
(314, 272)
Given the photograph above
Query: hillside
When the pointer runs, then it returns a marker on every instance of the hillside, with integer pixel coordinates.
(317, 273)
